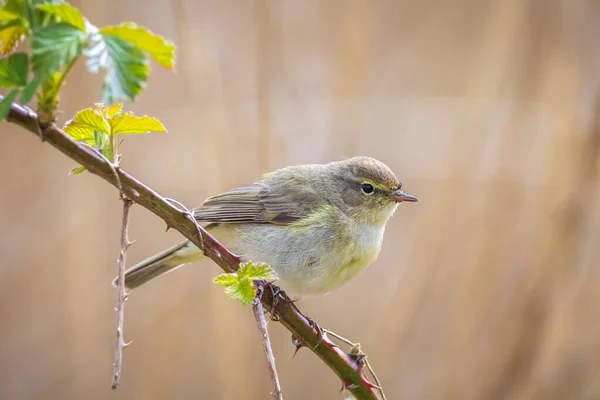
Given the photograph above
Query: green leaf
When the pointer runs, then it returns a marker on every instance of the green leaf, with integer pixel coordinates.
(159, 48)
(53, 46)
(126, 66)
(111, 111)
(14, 70)
(10, 35)
(82, 127)
(48, 88)
(127, 73)
(29, 91)
(256, 272)
(243, 291)
(65, 13)
(129, 124)
(16, 7)
(7, 102)
(78, 170)
(240, 285)
(6, 16)
(226, 279)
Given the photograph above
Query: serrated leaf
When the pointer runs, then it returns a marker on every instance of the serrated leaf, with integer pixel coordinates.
(82, 127)
(256, 272)
(129, 124)
(159, 48)
(127, 73)
(126, 66)
(243, 291)
(226, 279)
(28, 91)
(65, 13)
(53, 46)
(10, 35)
(111, 111)
(7, 102)
(13, 70)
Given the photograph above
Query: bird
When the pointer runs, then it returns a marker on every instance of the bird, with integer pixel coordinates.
(317, 225)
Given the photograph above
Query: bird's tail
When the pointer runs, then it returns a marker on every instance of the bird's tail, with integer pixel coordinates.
(161, 263)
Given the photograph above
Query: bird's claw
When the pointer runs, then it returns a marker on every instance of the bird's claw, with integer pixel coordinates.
(320, 331)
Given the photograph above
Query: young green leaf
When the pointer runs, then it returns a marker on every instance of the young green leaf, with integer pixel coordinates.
(53, 46)
(256, 272)
(244, 291)
(65, 13)
(7, 16)
(129, 124)
(29, 91)
(7, 102)
(82, 127)
(16, 7)
(111, 111)
(11, 33)
(78, 170)
(240, 285)
(159, 48)
(13, 70)
(226, 279)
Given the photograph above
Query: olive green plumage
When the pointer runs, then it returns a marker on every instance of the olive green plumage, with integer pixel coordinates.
(317, 225)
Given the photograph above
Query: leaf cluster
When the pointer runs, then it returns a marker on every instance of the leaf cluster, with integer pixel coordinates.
(59, 35)
(99, 127)
(240, 285)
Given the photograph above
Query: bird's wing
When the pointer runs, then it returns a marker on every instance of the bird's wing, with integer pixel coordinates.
(257, 203)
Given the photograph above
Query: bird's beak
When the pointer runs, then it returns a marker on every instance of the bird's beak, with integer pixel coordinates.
(400, 196)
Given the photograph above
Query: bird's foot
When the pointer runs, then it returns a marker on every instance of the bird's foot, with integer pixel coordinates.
(317, 328)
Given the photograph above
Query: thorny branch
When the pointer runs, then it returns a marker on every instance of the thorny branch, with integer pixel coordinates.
(259, 315)
(121, 295)
(344, 365)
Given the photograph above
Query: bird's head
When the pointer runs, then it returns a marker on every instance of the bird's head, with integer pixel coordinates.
(365, 189)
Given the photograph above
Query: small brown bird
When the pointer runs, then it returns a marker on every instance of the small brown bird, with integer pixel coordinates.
(317, 226)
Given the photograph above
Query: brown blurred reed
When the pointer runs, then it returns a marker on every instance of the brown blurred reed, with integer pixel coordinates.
(486, 289)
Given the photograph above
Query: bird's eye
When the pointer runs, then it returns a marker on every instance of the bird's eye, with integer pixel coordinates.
(366, 188)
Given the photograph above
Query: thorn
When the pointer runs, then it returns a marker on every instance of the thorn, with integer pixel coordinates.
(344, 386)
(369, 384)
(127, 344)
(347, 385)
(298, 343)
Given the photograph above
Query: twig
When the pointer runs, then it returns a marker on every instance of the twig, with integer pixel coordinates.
(121, 295)
(366, 360)
(288, 313)
(259, 314)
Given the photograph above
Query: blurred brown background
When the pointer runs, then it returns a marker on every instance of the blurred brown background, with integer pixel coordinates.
(486, 289)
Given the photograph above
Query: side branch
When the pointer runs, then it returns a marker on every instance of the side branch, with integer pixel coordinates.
(121, 295)
(259, 315)
(350, 372)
